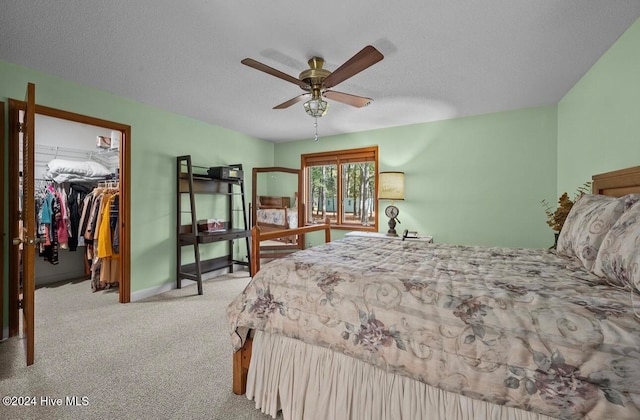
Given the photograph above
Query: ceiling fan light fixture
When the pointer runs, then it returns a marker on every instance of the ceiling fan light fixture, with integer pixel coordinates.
(316, 107)
(317, 82)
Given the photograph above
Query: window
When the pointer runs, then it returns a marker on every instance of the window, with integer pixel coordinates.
(341, 185)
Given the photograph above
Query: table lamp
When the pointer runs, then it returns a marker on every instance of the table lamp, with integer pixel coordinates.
(391, 187)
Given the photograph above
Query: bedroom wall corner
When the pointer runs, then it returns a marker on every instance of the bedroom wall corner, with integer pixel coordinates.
(599, 118)
(473, 180)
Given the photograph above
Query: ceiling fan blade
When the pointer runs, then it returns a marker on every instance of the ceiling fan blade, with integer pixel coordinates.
(345, 98)
(292, 101)
(367, 57)
(277, 73)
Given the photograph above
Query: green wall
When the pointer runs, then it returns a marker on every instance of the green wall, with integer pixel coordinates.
(475, 180)
(599, 119)
(157, 137)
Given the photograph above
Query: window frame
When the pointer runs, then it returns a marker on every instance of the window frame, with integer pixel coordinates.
(338, 158)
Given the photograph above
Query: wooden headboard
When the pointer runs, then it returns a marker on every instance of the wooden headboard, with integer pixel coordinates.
(269, 201)
(617, 183)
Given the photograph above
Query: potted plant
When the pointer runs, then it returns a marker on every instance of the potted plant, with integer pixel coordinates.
(556, 217)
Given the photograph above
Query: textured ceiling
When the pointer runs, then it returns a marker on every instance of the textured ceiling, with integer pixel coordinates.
(443, 58)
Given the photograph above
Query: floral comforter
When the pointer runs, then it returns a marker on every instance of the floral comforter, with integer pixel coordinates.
(516, 327)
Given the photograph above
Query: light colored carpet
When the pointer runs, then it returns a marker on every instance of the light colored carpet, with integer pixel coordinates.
(167, 357)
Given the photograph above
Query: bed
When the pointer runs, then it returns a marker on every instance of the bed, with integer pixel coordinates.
(379, 329)
(276, 213)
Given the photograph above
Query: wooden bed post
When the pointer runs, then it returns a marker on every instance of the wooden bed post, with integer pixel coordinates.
(241, 360)
(327, 230)
(255, 250)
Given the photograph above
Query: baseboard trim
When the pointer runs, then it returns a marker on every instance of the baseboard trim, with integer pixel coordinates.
(152, 291)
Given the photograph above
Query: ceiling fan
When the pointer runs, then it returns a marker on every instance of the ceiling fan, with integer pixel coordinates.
(317, 81)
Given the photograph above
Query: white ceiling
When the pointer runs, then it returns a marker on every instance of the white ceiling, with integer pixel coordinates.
(443, 58)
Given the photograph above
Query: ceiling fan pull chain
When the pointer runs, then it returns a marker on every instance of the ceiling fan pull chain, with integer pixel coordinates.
(316, 126)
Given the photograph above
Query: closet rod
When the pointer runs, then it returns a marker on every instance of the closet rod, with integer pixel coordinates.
(109, 184)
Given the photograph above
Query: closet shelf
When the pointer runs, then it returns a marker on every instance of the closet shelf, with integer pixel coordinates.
(110, 158)
(70, 152)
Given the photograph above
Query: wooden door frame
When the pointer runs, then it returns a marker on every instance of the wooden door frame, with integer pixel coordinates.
(125, 190)
(13, 191)
(4, 235)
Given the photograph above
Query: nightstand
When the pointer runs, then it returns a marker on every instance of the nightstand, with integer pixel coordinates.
(381, 235)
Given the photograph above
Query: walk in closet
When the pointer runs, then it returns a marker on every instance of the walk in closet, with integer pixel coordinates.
(77, 192)
(55, 156)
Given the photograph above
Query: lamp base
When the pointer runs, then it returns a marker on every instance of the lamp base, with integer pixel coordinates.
(392, 228)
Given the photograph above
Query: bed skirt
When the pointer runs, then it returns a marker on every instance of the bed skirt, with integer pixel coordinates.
(310, 382)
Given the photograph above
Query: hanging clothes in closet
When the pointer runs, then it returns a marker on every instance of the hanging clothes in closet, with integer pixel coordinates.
(57, 212)
(49, 207)
(99, 223)
(75, 200)
(72, 167)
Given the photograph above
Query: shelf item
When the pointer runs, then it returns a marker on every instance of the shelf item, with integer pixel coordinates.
(193, 181)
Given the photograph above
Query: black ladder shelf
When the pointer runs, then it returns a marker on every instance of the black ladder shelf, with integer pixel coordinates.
(191, 184)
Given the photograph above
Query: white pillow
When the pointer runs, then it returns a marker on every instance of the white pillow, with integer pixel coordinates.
(618, 259)
(87, 168)
(587, 223)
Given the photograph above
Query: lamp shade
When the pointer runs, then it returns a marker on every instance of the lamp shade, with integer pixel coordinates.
(391, 186)
(316, 107)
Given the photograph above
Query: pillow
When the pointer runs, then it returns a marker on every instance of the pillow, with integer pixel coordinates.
(84, 168)
(587, 223)
(618, 259)
(630, 200)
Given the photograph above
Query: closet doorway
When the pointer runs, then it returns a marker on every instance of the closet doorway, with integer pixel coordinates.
(44, 151)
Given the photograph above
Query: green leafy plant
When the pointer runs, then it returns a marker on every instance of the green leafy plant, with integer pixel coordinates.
(556, 217)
